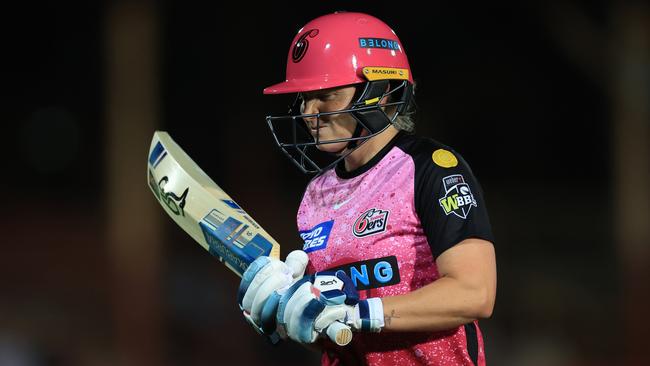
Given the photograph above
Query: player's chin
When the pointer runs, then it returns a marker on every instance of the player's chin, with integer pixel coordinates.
(332, 148)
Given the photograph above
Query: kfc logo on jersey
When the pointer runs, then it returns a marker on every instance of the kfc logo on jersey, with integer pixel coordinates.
(458, 198)
(316, 238)
(370, 222)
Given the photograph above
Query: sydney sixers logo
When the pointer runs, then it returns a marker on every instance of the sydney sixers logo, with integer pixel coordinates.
(302, 45)
(370, 222)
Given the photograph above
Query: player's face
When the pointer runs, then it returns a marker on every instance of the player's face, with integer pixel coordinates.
(334, 126)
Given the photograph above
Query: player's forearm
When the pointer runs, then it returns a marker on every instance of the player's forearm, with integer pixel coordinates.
(441, 305)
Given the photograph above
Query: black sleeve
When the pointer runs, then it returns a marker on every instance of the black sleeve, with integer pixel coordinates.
(449, 202)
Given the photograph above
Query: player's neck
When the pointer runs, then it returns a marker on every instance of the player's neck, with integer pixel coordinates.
(369, 149)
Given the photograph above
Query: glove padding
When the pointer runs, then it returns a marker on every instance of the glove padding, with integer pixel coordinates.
(311, 304)
(260, 288)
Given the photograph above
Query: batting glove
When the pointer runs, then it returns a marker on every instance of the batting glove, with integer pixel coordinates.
(313, 303)
(263, 283)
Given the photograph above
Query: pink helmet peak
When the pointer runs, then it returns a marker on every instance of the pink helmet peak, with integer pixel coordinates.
(342, 49)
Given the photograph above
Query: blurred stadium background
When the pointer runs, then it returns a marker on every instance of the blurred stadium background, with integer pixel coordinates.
(547, 100)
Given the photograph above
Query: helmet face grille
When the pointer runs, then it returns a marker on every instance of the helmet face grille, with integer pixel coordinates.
(292, 136)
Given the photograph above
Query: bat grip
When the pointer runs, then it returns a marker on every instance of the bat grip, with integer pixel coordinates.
(339, 333)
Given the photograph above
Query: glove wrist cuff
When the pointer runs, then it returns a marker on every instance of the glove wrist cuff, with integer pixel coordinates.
(370, 313)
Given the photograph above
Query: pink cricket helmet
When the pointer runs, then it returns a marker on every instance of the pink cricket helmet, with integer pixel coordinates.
(342, 49)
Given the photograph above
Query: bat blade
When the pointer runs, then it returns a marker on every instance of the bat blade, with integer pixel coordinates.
(209, 215)
(204, 210)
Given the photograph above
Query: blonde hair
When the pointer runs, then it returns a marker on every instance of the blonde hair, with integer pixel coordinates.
(406, 121)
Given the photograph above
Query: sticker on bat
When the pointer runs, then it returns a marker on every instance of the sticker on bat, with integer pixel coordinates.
(175, 203)
(229, 239)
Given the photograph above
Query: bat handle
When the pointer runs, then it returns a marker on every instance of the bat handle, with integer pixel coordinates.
(339, 333)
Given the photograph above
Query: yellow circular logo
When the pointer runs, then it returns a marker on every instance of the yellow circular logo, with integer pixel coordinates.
(444, 158)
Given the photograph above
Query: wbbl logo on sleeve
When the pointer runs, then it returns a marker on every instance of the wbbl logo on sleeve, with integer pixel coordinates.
(458, 197)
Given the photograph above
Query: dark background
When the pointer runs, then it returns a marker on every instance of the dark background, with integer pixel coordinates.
(548, 101)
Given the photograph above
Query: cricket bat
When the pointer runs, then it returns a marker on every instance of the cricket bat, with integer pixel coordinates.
(210, 216)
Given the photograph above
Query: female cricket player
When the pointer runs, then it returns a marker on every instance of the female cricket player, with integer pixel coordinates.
(395, 228)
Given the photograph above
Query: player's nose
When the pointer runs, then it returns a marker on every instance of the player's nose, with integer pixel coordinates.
(310, 107)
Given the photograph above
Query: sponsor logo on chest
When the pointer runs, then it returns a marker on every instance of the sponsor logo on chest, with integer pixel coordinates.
(372, 273)
(370, 222)
(317, 237)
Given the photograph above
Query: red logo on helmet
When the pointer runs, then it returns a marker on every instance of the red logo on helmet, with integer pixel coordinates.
(302, 44)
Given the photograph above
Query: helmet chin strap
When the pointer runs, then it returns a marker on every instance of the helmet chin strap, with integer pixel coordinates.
(356, 134)
(377, 120)
(371, 90)
(351, 145)
(360, 95)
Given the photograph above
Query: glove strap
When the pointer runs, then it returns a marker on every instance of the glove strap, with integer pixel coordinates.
(370, 313)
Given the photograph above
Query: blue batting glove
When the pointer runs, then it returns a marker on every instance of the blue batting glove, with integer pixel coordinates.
(263, 283)
(313, 303)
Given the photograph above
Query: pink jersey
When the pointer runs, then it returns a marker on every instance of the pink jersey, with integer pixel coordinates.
(385, 224)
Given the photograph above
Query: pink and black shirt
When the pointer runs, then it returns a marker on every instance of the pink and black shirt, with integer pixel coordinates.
(385, 224)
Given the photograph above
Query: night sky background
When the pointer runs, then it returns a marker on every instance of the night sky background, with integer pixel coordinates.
(495, 81)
